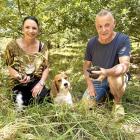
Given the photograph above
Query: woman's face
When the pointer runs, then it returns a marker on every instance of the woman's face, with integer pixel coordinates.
(30, 29)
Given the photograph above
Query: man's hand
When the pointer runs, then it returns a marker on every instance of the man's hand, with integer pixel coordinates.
(100, 74)
(91, 91)
(93, 75)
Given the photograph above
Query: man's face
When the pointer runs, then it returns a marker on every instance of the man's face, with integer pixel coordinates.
(105, 26)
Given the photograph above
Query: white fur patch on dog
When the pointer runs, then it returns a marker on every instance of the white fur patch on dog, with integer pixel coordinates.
(63, 99)
(19, 102)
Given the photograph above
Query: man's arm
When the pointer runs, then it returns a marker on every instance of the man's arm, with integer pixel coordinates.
(87, 65)
(121, 68)
(118, 69)
(90, 87)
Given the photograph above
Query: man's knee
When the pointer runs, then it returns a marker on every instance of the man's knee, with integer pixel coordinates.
(117, 84)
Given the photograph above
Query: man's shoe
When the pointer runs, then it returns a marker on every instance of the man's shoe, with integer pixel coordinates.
(89, 103)
(118, 112)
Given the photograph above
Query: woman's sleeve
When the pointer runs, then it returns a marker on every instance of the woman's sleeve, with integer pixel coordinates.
(9, 54)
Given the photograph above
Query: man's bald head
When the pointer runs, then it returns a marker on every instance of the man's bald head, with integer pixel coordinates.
(105, 12)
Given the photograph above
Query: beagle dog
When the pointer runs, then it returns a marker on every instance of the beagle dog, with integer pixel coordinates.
(60, 90)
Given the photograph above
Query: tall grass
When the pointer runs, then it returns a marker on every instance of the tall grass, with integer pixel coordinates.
(52, 122)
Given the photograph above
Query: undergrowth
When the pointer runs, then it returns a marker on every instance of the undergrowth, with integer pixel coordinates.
(50, 122)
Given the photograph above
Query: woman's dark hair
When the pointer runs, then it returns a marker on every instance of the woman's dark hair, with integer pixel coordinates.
(32, 18)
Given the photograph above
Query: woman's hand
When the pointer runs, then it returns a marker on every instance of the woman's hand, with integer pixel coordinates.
(37, 89)
(24, 79)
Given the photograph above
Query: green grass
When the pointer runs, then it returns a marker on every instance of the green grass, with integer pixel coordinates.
(51, 122)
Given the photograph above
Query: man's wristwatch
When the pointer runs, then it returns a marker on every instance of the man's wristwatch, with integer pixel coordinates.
(92, 97)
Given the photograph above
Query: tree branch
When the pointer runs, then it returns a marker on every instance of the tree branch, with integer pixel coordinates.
(19, 8)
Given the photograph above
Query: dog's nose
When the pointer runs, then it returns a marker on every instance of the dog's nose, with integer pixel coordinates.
(65, 84)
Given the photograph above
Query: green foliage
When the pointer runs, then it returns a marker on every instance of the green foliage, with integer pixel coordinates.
(126, 14)
(72, 20)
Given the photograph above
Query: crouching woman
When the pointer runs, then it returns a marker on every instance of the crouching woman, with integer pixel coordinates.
(27, 61)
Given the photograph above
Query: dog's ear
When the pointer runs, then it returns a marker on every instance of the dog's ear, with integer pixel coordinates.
(54, 89)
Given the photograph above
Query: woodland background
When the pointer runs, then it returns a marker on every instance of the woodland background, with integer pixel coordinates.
(66, 26)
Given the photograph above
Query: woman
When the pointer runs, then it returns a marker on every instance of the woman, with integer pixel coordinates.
(27, 61)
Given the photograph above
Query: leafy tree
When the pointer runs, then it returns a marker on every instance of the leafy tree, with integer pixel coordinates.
(68, 20)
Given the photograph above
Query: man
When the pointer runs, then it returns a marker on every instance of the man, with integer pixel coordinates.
(110, 51)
